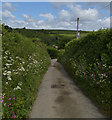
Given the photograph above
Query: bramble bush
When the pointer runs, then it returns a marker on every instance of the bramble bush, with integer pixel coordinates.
(24, 64)
(89, 61)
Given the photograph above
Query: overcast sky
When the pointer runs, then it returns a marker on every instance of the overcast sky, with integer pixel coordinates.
(56, 15)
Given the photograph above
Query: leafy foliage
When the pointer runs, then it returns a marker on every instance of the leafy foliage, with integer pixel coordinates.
(24, 63)
(89, 61)
(51, 37)
(53, 52)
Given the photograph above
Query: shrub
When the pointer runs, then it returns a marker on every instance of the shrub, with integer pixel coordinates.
(53, 52)
(24, 64)
(89, 61)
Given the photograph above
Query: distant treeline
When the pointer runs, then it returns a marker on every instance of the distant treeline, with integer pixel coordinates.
(47, 31)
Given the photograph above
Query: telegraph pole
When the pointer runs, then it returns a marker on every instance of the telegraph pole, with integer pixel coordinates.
(77, 28)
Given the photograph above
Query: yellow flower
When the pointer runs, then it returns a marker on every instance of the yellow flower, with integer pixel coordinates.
(97, 62)
(96, 59)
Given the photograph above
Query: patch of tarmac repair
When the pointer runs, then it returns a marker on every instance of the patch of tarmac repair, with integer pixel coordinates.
(59, 99)
(57, 86)
(66, 93)
(54, 107)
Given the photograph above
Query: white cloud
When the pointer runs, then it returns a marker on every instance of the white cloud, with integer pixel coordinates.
(7, 12)
(64, 15)
(27, 18)
(8, 6)
(7, 15)
(57, 24)
(65, 19)
(84, 14)
(48, 16)
(105, 22)
(100, 23)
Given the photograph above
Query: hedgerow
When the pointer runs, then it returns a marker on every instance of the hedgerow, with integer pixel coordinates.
(53, 52)
(24, 64)
(89, 61)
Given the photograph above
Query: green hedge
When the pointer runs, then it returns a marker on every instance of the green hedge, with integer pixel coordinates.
(53, 52)
(24, 64)
(89, 61)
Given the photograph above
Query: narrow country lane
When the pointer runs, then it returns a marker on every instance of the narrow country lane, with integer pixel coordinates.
(59, 97)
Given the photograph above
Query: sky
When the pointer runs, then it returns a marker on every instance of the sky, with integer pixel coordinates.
(56, 15)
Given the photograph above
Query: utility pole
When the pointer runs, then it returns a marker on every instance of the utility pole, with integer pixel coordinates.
(77, 28)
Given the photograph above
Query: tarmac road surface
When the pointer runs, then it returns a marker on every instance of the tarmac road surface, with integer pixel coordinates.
(59, 97)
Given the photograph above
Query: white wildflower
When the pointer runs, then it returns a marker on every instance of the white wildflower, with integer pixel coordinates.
(15, 73)
(9, 72)
(7, 83)
(104, 65)
(22, 68)
(20, 83)
(18, 87)
(4, 73)
(101, 76)
(17, 57)
(9, 78)
(110, 66)
(14, 88)
(4, 104)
